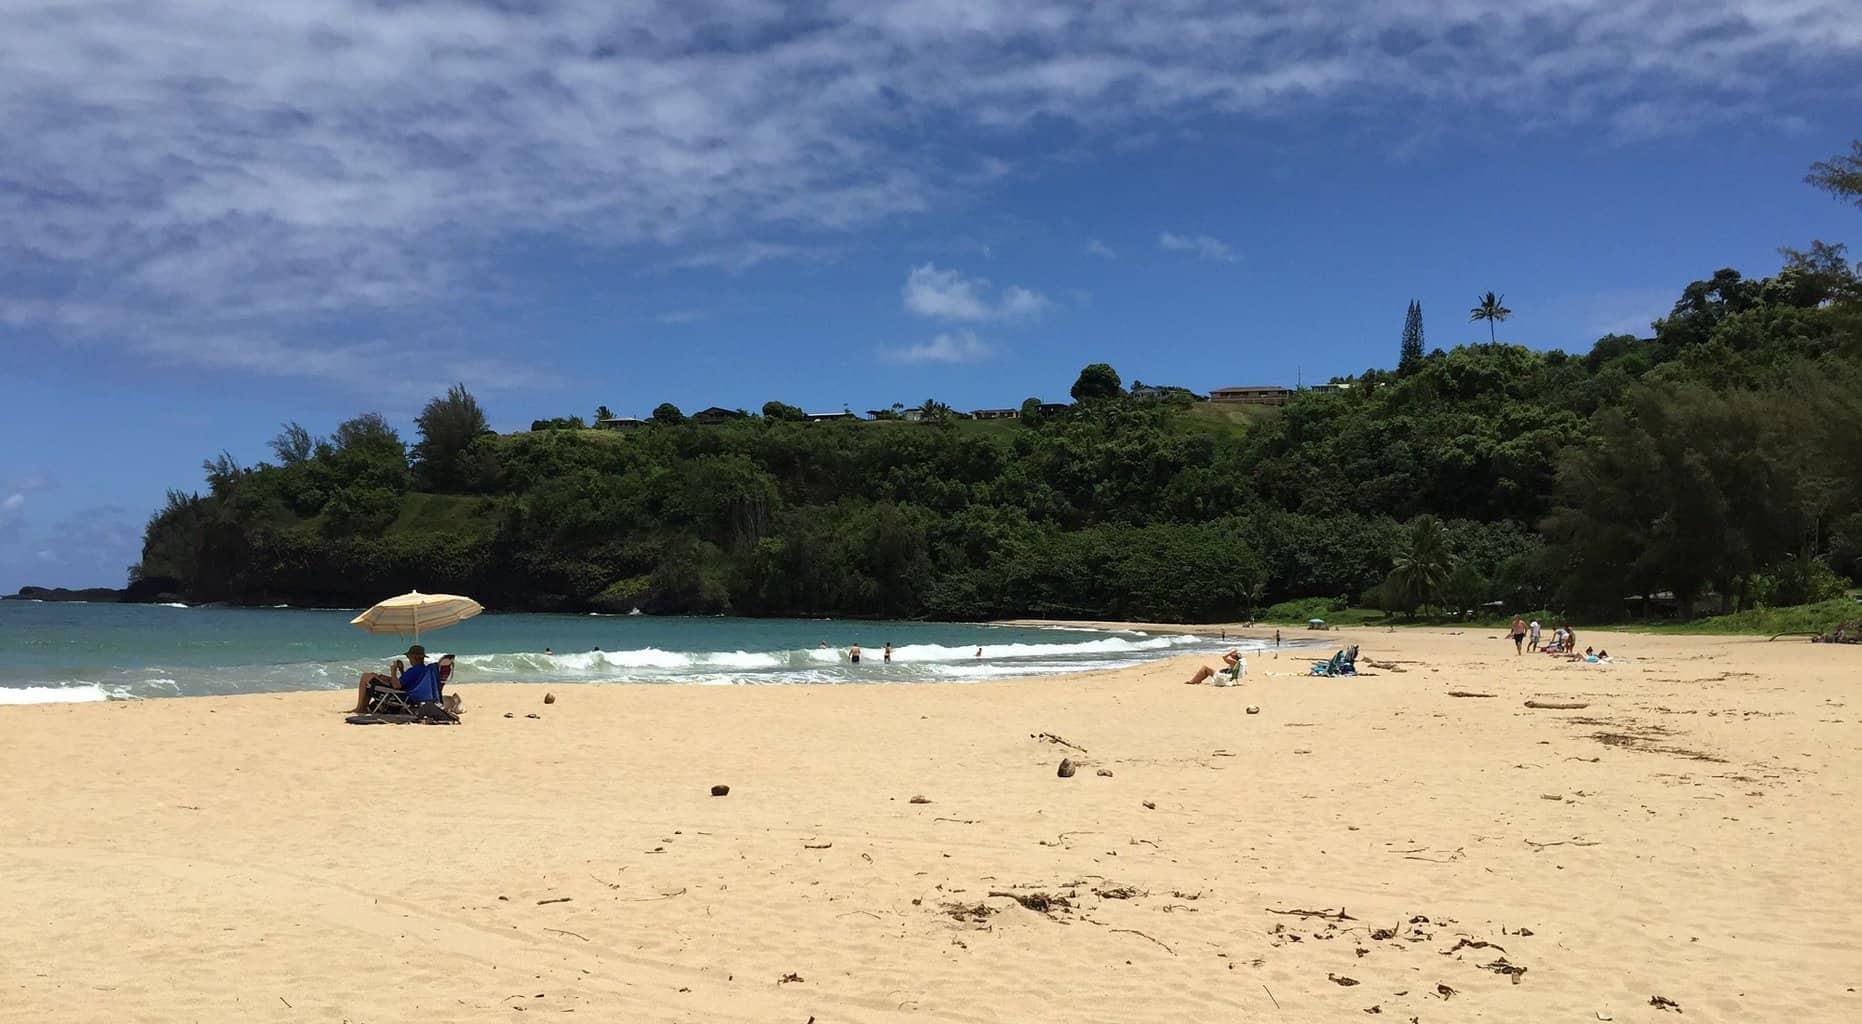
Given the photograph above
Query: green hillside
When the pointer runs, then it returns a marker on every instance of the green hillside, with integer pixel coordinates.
(1712, 467)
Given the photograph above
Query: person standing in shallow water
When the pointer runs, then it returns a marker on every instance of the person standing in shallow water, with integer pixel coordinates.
(886, 655)
(853, 655)
(1519, 635)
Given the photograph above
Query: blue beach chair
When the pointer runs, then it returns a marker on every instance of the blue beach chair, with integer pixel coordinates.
(1344, 663)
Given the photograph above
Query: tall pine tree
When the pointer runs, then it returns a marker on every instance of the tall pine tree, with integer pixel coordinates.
(1411, 357)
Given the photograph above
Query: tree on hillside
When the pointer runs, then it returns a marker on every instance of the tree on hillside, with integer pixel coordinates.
(1840, 175)
(934, 411)
(1421, 566)
(366, 432)
(602, 412)
(1410, 358)
(773, 410)
(448, 426)
(294, 444)
(1491, 311)
(668, 413)
(1099, 380)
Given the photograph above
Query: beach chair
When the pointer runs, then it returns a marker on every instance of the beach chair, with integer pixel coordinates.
(1344, 663)
(386, 700)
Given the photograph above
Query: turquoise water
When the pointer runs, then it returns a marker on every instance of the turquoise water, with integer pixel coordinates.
(78, 652)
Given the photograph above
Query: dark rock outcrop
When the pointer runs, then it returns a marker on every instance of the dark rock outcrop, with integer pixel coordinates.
(94, 595)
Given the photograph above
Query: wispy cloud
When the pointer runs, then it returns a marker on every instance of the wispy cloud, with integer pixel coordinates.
(951, 347)
(12, 516)
(1100, 249)
(1203, 247)
(953, 295)
(682, 316)
(202, 168)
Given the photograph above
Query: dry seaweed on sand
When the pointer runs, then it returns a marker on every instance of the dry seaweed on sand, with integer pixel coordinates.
(972, 912)
(1039, 902)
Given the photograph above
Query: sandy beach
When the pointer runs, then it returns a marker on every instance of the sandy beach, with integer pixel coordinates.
(1369, 846)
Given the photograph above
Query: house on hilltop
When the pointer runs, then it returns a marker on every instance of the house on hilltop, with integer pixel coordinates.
(995, 414)
(718, 414)
(828, 417)
(621, 423)
(1256, 394)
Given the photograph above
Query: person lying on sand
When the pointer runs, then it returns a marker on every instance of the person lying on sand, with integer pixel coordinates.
(419, 680)
(1237, 667)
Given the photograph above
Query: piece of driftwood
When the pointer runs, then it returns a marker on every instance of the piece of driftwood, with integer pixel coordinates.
(1562, 842)
(1467, 693)
(1557, 705)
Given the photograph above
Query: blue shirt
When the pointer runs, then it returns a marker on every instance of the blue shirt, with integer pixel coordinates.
(421, 683)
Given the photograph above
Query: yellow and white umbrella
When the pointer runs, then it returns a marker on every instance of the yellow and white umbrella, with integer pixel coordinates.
(413, 612)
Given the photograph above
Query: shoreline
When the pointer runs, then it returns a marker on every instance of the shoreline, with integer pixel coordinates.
(268, 862)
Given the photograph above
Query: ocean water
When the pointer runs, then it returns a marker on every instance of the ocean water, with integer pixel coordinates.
(87, 652)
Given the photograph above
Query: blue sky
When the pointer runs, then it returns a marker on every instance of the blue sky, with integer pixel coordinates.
(216, 216)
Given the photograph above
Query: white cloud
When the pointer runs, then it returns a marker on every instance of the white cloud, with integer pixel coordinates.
(12, 503)
(1100, 249)
(181, 169)
(1203, 246)
(953, 295)
(951, 347)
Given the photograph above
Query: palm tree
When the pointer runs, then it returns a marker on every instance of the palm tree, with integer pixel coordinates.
(1489, 310)
(1422, 564)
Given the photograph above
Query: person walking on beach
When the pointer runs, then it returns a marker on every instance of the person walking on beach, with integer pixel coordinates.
(853, 655)
(1532, 636)
(1519, 635)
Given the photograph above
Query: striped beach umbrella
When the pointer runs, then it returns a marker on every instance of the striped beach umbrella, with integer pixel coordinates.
(413, 612)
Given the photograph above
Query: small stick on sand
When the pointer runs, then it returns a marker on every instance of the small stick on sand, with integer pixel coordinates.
(1134, 931)
(1467, 693)
(1328, 914)
(1270, 995)
(1051, 738)
(565, 931)
(1552, 705)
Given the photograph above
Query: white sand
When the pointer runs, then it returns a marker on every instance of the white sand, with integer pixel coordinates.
(255, 859)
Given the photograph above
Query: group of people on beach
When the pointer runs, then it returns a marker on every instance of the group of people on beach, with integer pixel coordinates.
(1526, 637)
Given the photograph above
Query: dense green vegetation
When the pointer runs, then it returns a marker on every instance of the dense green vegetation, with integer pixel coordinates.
(1716, 465)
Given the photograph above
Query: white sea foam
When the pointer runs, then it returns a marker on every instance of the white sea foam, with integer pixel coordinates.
(76, 694)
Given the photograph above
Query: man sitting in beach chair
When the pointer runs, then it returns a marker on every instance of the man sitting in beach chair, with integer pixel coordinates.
(1344, 663)
(403, 688)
